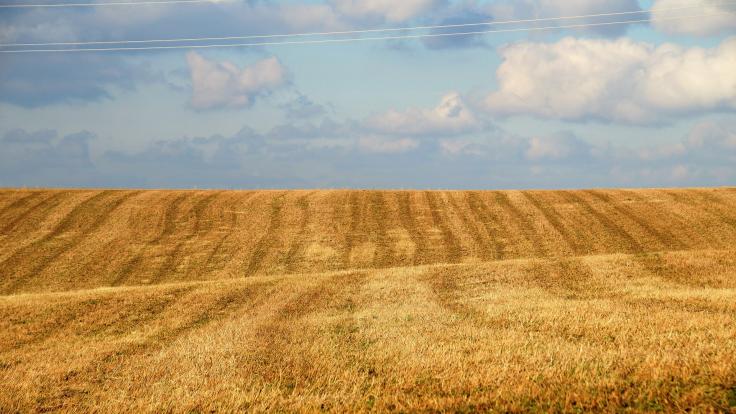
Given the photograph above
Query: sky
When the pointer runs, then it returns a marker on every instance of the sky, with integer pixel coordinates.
(643, 104)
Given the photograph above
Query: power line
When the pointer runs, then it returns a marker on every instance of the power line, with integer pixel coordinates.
(120, 3)
(360, 39)
(347, 32)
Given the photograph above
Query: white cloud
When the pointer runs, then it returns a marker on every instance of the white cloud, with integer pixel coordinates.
(460, 147)
(614, 80)
(302, 108)
(299, 17)
(680, 172)
(223, 84)
(387, 10)
(498, 146)
(383, 145)
(525, 9)
(553, 8)
(451, 117)
(720, 17)
(333, 155)
(717, 135)
(555, 147)
(502, 146)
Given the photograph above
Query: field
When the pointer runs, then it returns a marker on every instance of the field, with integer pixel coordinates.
(194, 301)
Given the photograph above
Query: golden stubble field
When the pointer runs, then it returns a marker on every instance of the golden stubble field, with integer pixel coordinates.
(194, 301)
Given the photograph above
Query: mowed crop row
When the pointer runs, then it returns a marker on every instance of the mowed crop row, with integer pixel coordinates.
(357, 301)
(606, 333)
(59, 240)
(65, 240)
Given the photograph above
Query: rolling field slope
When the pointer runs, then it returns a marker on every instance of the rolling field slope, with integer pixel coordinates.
(69, 240)
(614, 300)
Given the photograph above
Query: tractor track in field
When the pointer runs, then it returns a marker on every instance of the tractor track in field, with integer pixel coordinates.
(167, 229)
(84, 219)
(522, 224)
(179, 236)
(232, 222)
(352, 237)
(46, 206)
(174, 257)
(383, 255)
(19, 203)
(298, 246)
(664, 237)
(554, 219)
(489, 221)
(451, 244)
(631, 244)
(264, 244)
(407, 218)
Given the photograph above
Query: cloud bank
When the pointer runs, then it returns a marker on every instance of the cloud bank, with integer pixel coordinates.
(36, 81)
(224, 85)
(451, 117)
(385, 10)
(614, 80)
(331, 154)
(533, 9)
(721, 17)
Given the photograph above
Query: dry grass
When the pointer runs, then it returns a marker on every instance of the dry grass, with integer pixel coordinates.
(357, 301)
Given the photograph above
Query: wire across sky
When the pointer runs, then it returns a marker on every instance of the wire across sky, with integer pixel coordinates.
(354, 32)
(193, 42)
(117, 3)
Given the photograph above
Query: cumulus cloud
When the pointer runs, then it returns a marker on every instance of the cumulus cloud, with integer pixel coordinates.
(382, 145)
(719, 17)
(555, 147)
(531, 9)
(708, 143)
(342, 154)
(614, 80)
(452, 116)
(44, 79)
(164, 21)
(302, 108)
(242, 160)
(44, 158)
(45, 149)
(464, 14)
(29, 82)
(224, 85)
(458, 147)
(502, 146)
(709, 134)
(386, 10)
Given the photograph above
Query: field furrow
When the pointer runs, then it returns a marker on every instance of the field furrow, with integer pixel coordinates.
(384, 252)
(358, 301)
(627, 242)
(19, 201)
(450, 244)
(294, 257)
(609, 332)
(170, 268)
(81, 221)
(407, 217)
(491, 223)
(263, 247)
(571, 241)
(117, 238)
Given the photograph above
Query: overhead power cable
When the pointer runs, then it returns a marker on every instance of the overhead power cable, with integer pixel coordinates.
(117, 3)
(347, 32)
(360, 39)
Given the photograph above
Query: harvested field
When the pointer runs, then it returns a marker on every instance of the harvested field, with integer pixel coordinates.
(609, 300)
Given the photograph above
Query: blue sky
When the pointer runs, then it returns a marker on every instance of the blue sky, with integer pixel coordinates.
(637, 105)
